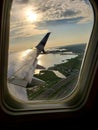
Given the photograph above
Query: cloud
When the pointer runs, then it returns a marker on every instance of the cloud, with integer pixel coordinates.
(62, 9)
(70, 13)
(25, 30)
(60, 22)
(56, 9)
(51, 12)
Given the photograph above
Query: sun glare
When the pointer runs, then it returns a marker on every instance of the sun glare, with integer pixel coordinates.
(31, 15)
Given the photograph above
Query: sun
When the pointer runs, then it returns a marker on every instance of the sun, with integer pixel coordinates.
(31, 16)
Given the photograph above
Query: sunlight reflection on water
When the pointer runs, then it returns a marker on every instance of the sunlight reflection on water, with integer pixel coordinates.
(49, 60)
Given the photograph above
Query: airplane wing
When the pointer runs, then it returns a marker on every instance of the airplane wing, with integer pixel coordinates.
(21, 65)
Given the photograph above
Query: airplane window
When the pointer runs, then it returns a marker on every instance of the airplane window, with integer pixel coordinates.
(47, 56)
(47, 48)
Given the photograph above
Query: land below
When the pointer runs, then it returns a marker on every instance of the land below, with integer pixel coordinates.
(56, 87)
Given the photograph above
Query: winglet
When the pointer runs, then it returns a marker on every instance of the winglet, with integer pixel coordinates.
(42, 43)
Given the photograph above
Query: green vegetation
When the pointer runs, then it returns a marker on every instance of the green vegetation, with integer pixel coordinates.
(67, 87)
(50, 79)
(72, 66)
(47, 76)
(69, 69)
(56, 87)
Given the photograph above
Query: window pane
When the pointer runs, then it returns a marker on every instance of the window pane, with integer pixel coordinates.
(46, 47)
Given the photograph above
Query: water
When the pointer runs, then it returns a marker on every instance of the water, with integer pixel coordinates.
(19, 64)
(48, 60)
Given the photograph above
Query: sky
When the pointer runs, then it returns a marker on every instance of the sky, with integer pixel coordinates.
(69, 21)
